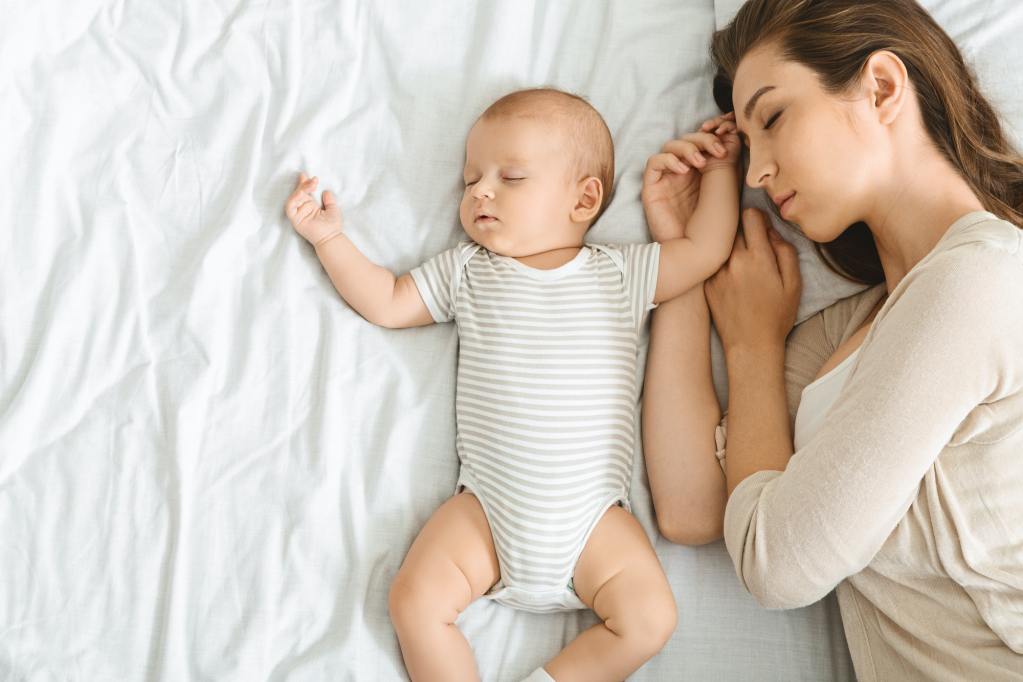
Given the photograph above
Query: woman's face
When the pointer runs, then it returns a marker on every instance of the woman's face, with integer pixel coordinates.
(819, 156)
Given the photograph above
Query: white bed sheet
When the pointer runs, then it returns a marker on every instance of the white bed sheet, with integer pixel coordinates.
(210, 467)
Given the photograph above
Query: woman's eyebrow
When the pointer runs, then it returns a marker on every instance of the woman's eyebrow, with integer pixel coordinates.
(748, 111)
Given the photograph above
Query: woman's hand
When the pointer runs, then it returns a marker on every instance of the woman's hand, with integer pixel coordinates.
(670, 188)
(754, 296)
(314, 222)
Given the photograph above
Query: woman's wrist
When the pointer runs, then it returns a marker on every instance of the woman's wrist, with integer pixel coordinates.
(744, 358)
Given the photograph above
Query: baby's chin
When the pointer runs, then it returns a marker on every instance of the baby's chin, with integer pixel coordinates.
(491, 240)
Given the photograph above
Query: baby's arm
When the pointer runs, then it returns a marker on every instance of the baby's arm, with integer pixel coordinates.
(710, 231)
(374, 292)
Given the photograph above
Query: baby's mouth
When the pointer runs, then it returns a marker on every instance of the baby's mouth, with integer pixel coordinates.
(485, 219)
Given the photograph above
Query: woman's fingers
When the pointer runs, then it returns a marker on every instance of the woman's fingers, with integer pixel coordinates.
(754, 228)
(740, 243)
(788, 261)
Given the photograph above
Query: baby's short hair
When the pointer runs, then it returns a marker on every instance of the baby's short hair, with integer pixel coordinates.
(587, 133)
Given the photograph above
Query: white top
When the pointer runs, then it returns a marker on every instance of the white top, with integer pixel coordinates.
(817, 400)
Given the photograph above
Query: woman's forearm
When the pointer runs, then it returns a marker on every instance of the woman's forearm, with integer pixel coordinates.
(680, 414)
(759, 436)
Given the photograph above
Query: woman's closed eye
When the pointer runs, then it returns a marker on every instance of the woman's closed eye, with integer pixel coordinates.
(770, 121)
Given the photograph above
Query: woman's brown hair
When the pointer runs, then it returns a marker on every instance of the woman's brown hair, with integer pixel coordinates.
(835, 38)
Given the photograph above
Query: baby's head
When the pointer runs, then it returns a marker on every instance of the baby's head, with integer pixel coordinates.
(539, 165)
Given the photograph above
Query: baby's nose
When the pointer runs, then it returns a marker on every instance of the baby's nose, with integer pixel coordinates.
(483, 190)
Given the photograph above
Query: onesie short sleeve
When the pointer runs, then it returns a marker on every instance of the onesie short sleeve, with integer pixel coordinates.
(639, 265)
(438, 280)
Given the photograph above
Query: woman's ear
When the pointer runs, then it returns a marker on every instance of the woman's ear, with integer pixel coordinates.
(886, 83)
(590, 196)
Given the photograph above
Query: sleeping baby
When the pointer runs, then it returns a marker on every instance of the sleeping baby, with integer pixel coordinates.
(549, 330)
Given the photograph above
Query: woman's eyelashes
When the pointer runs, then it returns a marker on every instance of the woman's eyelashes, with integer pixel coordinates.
(767, 126)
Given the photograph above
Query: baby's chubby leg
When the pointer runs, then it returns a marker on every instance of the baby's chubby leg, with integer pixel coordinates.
(621, 579)
(451, 563)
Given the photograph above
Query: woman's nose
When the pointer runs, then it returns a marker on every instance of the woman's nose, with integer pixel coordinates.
(761, 170)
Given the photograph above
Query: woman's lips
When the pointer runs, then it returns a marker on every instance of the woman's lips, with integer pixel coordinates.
(785, 207)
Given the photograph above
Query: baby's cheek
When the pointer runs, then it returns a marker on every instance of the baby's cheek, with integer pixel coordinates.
(465, 215)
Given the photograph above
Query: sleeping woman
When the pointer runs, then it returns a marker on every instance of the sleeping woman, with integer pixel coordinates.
(876, 448)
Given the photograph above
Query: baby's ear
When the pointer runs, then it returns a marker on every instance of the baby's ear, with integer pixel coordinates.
(589, 197)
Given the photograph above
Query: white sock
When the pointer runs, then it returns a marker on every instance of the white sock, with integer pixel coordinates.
(538, 675)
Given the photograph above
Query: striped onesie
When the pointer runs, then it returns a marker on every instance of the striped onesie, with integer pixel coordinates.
(545, 399)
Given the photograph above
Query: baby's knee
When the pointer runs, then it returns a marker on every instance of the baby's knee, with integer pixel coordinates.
(663, 621)
(409, 601)
(651, 622)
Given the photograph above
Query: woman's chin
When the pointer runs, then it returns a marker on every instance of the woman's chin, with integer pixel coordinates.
(822, 232)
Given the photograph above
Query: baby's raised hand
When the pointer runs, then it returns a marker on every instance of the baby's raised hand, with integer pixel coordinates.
(714, 145)
(670, 191)
(314, 222)
(669, 195)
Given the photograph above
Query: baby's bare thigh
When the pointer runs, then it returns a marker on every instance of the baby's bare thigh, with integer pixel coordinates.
(618, 548)
(454, 552)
